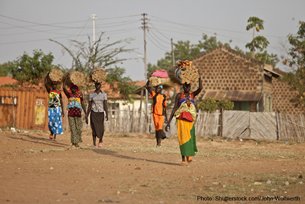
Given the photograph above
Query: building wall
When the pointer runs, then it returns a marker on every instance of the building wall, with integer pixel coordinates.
(223, 70)
(282, 98)
(24, 109)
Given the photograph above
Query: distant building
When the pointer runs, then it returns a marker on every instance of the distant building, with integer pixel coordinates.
(248, 83)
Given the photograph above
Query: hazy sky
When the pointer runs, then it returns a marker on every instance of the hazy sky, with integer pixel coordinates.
(26, 25)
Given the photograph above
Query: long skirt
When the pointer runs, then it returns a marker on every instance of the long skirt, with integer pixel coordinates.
(97, 124)
(186, 137)
(76, 125)
(55, 121)
(158, 121)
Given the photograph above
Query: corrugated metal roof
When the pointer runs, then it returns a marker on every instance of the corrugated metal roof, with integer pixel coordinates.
(233, 95)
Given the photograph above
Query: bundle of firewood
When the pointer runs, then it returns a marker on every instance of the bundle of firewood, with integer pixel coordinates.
(160, 77)
(78, 78)
(187, 73)
(98, 75)
(155, 81)
(55, 75)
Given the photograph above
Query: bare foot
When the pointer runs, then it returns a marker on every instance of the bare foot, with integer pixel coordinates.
(189, 159)
(183, 163)
(99, 145)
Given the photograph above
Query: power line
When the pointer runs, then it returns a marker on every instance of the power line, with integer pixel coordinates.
(38, 24)
(158, 40)
(153, 41)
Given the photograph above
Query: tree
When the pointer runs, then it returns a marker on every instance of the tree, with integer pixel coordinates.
(185, 50)
(6, 68)
(32, 69)
(256, 24)
(124, 84)
(101, 53)
(296, 61)
(259, 44)
(208, 44)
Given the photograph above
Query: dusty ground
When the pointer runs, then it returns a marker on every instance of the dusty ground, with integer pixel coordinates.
(129, 169)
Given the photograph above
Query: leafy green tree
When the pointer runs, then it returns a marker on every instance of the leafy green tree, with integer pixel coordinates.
(124, 84)
(6, 68)
(208, 105)
(296, 61)
(208, 44)
(225, 104)
(32, 68)
(259, 44)
(256, 24)
(101, 53)
(185, 50)
(211, 105)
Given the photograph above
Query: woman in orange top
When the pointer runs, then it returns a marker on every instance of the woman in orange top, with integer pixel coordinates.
(158, 111)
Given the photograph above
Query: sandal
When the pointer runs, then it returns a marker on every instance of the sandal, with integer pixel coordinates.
(51, 137)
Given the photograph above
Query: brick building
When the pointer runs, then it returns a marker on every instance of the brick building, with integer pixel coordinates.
(250, 84)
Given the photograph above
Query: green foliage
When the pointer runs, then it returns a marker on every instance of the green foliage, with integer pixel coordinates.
(211, 105)
(185, 50)
(32, 68)
(296, 60)
(255, 23)
(258, 43)
(124, 84)
(208, 44)
(225, 105)
(6, 68)
(208, 105)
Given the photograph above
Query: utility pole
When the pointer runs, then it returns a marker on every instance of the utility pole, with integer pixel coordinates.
(173, 53)
(145, 28)
(93, 17)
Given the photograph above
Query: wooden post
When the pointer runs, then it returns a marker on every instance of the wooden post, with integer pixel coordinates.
(277, 126)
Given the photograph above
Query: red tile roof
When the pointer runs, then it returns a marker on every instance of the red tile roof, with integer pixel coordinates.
(7, 81)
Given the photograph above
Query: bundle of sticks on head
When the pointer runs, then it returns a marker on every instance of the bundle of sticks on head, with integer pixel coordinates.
(186, 72)
(75, 77)
(160, 77)
(98, 75)
(55, 76)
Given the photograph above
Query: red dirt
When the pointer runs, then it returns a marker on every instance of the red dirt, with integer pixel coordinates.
(130, 169)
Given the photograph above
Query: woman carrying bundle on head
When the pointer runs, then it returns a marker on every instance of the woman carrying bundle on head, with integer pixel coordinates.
(98, 111)
(158, 111)
(97, 108)
(185, 112)
(55, 105)
(75, 107)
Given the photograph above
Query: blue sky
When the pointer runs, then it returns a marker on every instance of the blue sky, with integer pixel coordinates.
(28, 24)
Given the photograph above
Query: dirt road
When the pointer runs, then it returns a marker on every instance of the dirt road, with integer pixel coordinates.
(130, 169)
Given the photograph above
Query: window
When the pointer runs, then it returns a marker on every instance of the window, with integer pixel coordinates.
(241, 105)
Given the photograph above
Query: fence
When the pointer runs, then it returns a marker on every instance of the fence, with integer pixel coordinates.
(24, 109)
(136, 121)
(229, 124)
(28, 110)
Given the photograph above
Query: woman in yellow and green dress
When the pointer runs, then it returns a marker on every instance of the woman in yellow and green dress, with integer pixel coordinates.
(185, 112)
